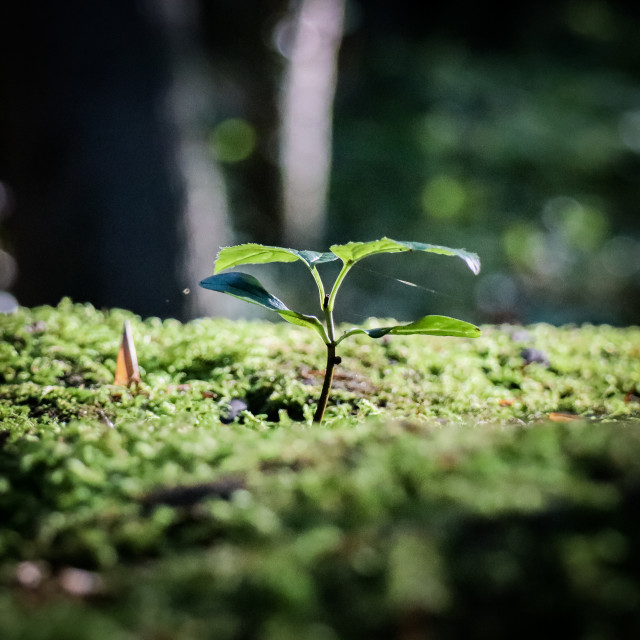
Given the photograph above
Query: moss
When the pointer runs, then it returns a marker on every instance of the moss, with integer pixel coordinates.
(437, 499)
(60, 362)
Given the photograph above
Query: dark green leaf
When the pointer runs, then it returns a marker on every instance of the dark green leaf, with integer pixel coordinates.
(247, 288)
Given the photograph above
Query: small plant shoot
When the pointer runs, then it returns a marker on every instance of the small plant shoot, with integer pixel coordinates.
(247, 288)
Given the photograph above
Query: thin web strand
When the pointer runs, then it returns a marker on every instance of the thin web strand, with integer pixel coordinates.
(408, 283)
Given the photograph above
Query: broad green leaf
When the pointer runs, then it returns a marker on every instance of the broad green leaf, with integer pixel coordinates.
(354, 251)
(247, 288)
(261, 254)
(427, 326)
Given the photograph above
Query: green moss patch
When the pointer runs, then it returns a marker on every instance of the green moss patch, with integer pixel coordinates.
(441, 497)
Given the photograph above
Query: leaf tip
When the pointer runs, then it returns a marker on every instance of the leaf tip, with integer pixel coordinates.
(472, 260)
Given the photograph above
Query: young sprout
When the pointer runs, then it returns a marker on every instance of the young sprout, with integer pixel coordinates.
(249, 289)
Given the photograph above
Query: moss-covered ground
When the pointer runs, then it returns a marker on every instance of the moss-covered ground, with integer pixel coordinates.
(458, 488)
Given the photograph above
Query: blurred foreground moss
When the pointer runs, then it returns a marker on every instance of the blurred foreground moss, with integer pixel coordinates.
(438, 500)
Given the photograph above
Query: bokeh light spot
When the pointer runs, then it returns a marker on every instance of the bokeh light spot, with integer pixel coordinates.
(444, 197)
(521, 243)
(233, 140)
(582, 228)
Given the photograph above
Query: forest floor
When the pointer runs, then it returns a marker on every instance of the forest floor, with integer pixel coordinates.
(458, 488)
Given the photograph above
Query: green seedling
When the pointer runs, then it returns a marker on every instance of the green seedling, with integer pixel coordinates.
(247, 288)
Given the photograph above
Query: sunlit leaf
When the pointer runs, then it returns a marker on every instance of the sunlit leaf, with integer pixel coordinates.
(427, 326)
(261, 254)
(247, 288)
(354, 251)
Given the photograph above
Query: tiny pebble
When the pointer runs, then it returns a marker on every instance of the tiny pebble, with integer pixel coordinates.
(236, 407)
(534, 355)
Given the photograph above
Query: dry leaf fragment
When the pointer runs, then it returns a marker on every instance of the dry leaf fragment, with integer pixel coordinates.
(563, 417)
(631, 397)
(127, 372)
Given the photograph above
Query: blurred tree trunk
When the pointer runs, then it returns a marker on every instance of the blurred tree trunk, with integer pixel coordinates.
(307, 107)
(89, 150)
(205, 218)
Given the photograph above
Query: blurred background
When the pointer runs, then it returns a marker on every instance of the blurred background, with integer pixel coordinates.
(136, 138)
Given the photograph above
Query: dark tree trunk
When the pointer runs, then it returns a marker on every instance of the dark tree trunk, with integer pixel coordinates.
(88, 150)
